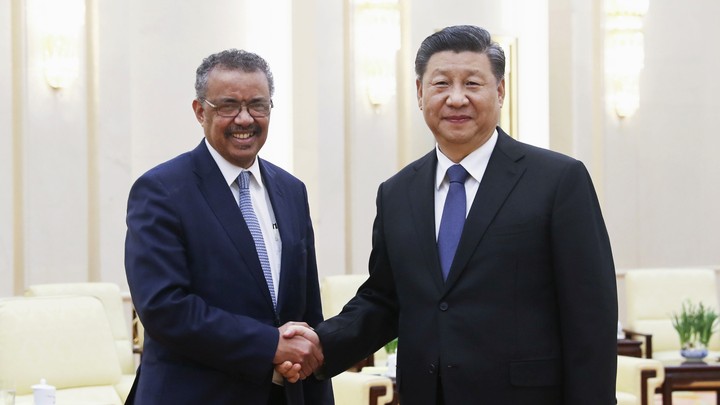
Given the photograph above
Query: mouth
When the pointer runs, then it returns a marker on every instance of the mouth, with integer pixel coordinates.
(241, 133)
(457, 118)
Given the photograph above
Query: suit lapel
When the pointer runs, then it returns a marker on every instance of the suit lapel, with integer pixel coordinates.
(284, 220)
(421, 195)
(501, 175)
(221, 201)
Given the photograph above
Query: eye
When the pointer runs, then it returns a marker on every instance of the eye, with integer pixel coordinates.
(228, 108)
(440, 83)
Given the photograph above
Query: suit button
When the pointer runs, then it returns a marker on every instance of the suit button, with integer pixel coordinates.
(432, 368)
(444, 306)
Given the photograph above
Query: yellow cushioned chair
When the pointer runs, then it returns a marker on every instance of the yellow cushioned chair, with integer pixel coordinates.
(111, 297)
(66, 340)
(653, 295)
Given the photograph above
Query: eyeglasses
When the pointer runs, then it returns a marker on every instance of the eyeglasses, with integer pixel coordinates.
(256, 109)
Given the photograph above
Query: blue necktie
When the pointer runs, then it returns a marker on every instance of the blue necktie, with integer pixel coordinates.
(251, 220)
(453, 218)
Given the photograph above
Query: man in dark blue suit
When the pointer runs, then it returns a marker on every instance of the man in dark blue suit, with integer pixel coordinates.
(512, 302)
(220, 253)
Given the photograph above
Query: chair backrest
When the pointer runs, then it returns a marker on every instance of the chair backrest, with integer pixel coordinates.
(66, 340)
(653, 295)
(109, 294)
(337, 290)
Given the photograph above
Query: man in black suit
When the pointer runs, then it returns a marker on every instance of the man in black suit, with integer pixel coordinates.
(520, 305)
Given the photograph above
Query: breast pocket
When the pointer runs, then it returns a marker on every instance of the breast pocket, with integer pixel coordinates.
(511, 229)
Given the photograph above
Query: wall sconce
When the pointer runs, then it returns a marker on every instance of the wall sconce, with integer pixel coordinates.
(376, 43)
(61, 22)
(624, 53)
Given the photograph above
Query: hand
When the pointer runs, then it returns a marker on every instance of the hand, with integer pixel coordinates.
(290, 371)
(299, 345)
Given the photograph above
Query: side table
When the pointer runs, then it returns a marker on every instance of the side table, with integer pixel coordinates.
(690, 376)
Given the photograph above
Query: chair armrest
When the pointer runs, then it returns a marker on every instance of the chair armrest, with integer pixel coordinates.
(361, 389)
(647, 337)
(639, 377)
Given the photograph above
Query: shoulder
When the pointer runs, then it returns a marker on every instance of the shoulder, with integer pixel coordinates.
(173, 171)
(274, 172)
(534, 157)
(279, 179)
(178, 173)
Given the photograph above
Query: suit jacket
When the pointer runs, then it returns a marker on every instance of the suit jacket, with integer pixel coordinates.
(197, 284)
(528, 313)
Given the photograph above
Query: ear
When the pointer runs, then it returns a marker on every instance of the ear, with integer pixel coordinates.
(501, 92)
(199, 111)
(418, 85)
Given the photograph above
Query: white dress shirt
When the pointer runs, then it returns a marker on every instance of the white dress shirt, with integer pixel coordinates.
(261, 205)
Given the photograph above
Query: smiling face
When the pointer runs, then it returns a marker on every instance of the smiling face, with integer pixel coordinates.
(238, 139)
(461, 100)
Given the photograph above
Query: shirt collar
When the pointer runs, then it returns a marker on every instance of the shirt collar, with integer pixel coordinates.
(475, 163)
(231, 172)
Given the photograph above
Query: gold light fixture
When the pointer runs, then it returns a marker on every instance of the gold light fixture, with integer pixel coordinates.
(624, 53)
(376, 43)
(61, 22)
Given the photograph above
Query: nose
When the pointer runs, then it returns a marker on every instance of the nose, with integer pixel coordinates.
(456, 97)
(244, 116)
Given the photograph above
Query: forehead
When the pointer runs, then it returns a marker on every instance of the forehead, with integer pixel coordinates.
(453, 63)
(235, 83)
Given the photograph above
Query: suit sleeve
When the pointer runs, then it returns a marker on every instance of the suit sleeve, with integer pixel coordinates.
(587, 290)
(369, 320)
(160, 280)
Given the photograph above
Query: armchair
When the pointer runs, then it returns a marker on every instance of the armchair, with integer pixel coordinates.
(652, 295)
(111, 298)
(637, 380)
(66, 340)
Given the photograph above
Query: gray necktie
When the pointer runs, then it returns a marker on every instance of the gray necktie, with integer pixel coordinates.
(251, 220)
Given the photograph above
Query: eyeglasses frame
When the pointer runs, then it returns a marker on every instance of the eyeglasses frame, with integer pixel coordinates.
(243, 105)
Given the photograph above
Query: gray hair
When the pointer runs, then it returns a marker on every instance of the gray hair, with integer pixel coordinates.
(461, 38)
(233, 59)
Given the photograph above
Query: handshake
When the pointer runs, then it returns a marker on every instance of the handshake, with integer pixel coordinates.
(298, 353)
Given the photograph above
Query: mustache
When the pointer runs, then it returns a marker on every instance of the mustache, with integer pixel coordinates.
(238, 128)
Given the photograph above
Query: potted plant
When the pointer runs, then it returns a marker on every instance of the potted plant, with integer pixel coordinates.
(391, 346)
(695, 325)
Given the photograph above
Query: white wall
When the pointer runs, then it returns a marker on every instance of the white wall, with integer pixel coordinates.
(54, 165)
(662, 174)
(319, 124)
(6, 158)
(82, 147)
(655, 171)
